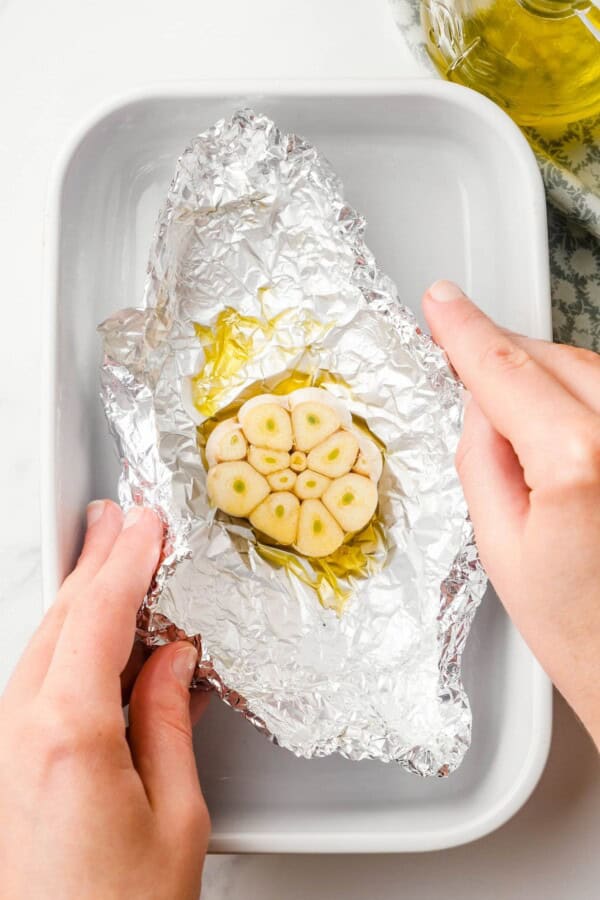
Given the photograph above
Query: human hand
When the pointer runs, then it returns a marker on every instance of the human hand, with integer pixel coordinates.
(529, 463)
(89, 810)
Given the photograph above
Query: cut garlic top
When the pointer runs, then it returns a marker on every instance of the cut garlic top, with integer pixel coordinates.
(227, 442)
(251, 459)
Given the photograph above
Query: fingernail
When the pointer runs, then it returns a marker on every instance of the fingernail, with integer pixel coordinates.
(94, 511)
(444, 291)
(134, 515)
(184, 663)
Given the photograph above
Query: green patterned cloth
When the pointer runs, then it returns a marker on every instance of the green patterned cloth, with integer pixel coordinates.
(570, 164)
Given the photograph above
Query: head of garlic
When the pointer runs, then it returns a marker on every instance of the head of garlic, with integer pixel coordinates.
(297, 467)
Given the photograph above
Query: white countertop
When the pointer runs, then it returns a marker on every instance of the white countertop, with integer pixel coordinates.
(57, 62)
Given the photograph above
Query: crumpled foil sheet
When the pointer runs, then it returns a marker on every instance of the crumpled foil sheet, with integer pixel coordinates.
(255, 221)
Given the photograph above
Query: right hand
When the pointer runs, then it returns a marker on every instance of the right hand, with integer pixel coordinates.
(529, 463)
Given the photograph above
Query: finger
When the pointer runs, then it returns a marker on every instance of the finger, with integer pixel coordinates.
(199, 700)
(495, 490)
(525, 403)
(138, 656)
(104, 521)
(160, 731)
(578, 370)
(98, 633)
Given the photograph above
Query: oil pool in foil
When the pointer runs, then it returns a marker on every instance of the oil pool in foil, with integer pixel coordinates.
(260, 281)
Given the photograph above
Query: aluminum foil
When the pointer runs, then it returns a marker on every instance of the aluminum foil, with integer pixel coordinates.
(255, 226)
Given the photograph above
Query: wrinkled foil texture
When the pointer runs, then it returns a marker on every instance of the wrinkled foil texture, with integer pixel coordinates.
(252, 208)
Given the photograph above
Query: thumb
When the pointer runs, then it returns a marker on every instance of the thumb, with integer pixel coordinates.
(160, 731)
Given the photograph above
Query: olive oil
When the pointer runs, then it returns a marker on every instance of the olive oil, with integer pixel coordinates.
(233, 341)
(331, 577)
(538, 59)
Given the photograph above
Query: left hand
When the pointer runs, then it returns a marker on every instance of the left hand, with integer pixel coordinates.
(88, 809)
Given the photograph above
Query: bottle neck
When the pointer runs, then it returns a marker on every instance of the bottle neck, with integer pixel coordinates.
(555, 9)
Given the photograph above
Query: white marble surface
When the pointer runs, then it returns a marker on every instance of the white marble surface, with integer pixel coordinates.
(57, 61)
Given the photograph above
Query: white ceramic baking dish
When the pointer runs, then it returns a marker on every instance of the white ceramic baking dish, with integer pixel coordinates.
(450, 189)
